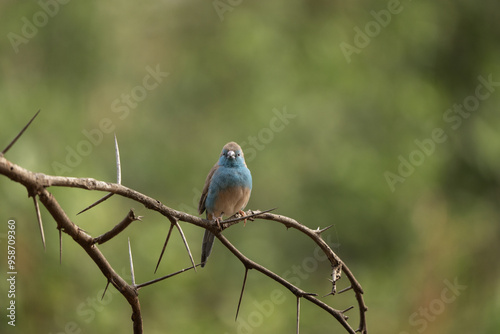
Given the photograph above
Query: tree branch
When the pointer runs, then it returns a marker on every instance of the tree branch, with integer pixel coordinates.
(117, 229)
(37, 184)
(87, 243)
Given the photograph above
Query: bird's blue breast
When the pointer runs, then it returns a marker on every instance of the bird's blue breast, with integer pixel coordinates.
(225, 178)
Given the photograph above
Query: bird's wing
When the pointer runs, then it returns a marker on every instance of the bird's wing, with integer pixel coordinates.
(204, 193)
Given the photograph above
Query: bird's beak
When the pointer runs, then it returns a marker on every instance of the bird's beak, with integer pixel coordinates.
(231, 154)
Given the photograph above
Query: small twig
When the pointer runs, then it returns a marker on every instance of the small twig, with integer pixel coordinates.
(164, 246)
(39, 218)
(164, 277)
(19, 134)
(85, 241)
(131, 217)
(241, 294)
(131, 263)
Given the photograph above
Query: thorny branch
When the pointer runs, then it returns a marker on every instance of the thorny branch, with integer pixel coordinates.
(37, 184)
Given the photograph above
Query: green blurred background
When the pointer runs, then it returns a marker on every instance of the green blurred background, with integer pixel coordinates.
(352, 106)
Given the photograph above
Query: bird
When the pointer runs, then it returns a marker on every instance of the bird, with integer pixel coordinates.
(226, 192)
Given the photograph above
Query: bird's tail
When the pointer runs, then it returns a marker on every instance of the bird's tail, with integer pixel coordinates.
(206, 247)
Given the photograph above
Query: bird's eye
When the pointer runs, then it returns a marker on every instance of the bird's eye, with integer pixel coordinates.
(239, 154)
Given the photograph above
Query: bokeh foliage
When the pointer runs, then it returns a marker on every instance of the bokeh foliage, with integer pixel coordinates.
(351, 120)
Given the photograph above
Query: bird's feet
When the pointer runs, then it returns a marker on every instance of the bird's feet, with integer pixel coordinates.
(218, 220)
(243, 214)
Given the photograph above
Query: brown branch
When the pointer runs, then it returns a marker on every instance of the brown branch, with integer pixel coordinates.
(131, 217)
(249, 264)
(37, 184)
(335, 261)
(86, 242)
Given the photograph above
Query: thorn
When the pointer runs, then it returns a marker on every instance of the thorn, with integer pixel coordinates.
(164, 246)
(162, 278)
(347, 309)
(96, 203)
(318, 231)
(186, 244)
(346, 289)
(60, 246)
(241, 294)
(39, 218)
(105, 289)
(298, 313)
(118, 179)
(118, 165)
(19, 134)
(131, 263)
